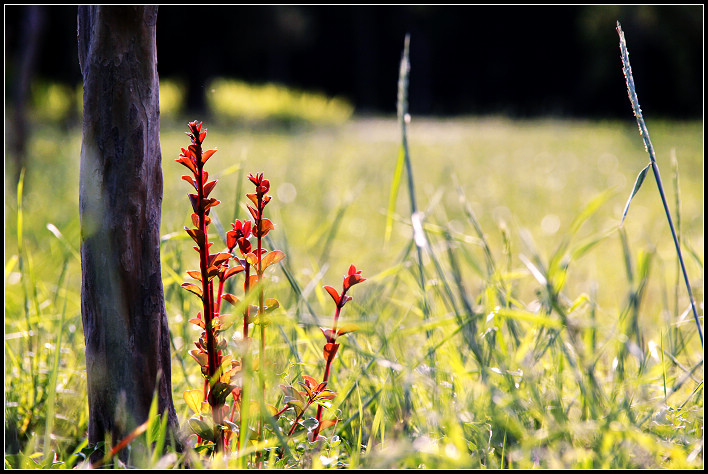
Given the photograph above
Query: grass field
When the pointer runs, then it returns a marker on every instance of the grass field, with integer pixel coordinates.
(544, 335)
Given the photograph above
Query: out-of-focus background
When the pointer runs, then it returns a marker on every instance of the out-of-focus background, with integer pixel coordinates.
(512, 60)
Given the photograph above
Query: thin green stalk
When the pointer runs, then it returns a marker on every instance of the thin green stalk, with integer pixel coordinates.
(244, 433)
(416, 217)
(663, 366)
(51, 398)
(677, 284)
(654, 166)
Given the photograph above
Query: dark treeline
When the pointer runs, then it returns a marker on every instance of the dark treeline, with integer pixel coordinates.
(521, 61)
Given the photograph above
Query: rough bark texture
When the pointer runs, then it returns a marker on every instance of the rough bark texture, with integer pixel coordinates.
(122, 300)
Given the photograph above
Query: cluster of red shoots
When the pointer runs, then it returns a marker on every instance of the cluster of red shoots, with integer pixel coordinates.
(223, 373)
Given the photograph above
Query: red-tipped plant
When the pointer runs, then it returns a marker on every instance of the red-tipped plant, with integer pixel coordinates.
(330, 348)
(216, 368)
(214, 424)
(259, 259)
(315, 392)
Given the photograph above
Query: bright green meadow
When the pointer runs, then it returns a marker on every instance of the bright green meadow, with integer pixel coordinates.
(542, 333)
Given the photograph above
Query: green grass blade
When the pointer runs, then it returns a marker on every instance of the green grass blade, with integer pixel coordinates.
(637, 184)
(395, 185)
(631, 90)
(57, 233)
(416, 217)
(53, 375)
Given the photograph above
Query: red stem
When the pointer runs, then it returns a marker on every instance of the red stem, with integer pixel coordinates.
(246, 289)
(261, 307)
(328, 365)
(207, 293)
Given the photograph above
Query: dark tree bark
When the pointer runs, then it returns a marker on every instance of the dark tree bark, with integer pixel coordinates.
(120, 196)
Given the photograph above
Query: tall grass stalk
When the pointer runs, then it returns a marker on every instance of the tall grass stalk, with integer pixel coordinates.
(52, 388)
(416, 217)
(28, 278)
(631, 90)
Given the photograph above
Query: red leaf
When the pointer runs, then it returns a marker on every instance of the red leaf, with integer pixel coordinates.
(244, 246)
(194, 200)
(207, 154)
(230, 298)
(326, 395)
(274, 256)
(330, 350)
(255, 179)
(219, 258)
(208, 187)
(201, 357)
(327, 334)
(242, 229)
(193, 288)
(264, 187)
(195, 274)
(197, 235)
(307, 389)
(333, 293)
(310, 381)
(266, 226)
(212, 271)
(190, 180)
(194, 150)
(352, 280)
(233, 271)
(327, 423)
(253, 197)
(252, 258)
(252, 281)
(195, 220)
(198, 322)
(209, 203)
(231, 239)
(186, 161)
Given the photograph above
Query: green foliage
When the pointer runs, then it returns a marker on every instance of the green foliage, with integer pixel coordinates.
(565, 379)
(250, 103)
(542, 335)
(54, 101)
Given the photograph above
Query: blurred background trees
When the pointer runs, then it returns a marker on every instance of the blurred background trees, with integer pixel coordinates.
(519, 61)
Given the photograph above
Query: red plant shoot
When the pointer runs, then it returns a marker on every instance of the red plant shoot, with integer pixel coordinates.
(223, 375)
(330, 348)
(317, 392)
(216, 369)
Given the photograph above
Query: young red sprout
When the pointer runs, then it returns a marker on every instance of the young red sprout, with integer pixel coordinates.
(329, 351)
(216, 369)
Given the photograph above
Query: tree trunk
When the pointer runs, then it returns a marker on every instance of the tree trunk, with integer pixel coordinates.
(120, 195)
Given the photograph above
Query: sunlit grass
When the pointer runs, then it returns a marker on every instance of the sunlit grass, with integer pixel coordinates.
(254, 103)
(547, 349)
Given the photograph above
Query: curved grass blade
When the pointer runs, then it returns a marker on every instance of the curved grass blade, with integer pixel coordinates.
(654, 166)
(637, 184)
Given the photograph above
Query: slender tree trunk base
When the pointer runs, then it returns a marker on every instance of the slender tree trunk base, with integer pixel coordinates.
(120, 196)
